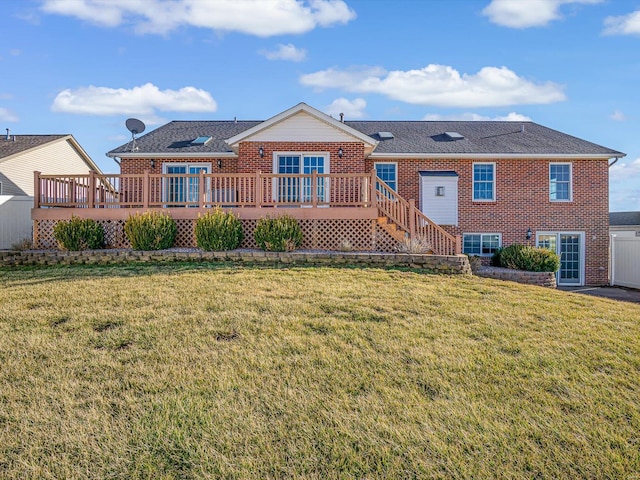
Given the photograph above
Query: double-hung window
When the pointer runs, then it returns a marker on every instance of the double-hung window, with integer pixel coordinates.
(560, 182)
(484, 182)
(388, 173)
(483, 244)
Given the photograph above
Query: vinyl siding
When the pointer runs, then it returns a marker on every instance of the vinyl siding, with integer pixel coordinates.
(54, 158)
(301, 127)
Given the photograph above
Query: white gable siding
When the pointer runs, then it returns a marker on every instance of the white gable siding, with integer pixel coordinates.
(443, 210)
(51, 159)
(301, 127)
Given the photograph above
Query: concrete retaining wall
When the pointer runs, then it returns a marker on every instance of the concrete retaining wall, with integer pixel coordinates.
(453, 264)
(542, 279)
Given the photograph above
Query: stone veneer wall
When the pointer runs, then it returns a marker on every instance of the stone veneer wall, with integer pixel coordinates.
(453, 264)
(542, 279)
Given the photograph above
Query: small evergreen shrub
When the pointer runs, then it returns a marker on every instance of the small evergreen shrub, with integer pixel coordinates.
(279, 234)
(79, 234)
(218, 230)
(523, 257)
(150, 231)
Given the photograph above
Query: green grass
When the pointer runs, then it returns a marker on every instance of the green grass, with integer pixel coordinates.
(195, 371)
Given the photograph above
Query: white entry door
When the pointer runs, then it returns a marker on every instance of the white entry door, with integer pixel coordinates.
(570, 247)
(439, 196)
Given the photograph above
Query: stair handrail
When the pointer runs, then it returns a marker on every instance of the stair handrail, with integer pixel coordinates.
(410, 219)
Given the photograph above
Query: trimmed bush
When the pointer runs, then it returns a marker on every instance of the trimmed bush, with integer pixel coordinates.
(523, 257)
(218, 230)
(150, 231)
(279, 234)
(79, 234)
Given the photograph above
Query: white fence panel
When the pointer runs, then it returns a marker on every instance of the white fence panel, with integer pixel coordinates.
(15, 219)
(625, 261)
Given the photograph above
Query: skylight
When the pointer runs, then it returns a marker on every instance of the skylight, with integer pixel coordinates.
(385, 135)
(201, 140)
(454, 135)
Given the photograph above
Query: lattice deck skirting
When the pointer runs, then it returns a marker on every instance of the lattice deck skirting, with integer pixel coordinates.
(319, 234)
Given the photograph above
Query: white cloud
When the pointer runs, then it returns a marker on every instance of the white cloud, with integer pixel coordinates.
(618, 116)
(263, 18)
(527, 13)
(285, 52)
(440, 85)
(351, 108)
(475, 117)
(15, 52)
(623, 25)
(143, 100)
(7, 115)
(625, 170)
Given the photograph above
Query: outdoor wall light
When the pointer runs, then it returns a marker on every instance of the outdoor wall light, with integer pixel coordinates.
(153, 163)
(529, 234)
(219, 163)
(340, 152)
(261, 152)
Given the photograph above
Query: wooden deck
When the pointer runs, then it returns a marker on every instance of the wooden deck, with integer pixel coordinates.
(330, 197)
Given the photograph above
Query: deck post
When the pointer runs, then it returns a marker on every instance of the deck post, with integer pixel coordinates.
(314, 188)
(258, 189)
(372, 189)
(36, 190)
(145, 189)
(458, 244)
(203, 191)
(72, 192)
(91, 194)
(412, 219)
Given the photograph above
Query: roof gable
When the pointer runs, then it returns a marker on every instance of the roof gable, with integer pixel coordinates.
(304, 124)
(21, 144)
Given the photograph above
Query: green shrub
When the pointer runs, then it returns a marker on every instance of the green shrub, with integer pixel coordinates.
(218, 230)
(79, 234)
(532, 259)
(150, 231)
(280, 234)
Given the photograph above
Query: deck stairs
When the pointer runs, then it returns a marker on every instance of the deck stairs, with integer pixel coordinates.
(402, 220)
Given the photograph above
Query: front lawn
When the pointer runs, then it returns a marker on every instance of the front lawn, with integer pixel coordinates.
(196, 371)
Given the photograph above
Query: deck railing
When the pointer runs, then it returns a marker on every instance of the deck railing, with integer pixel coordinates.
(150, 190)
(241, 190)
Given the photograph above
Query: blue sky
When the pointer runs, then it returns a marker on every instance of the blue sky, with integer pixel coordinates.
(85, 66)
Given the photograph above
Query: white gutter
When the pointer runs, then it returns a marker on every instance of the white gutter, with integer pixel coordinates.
(174, 155)
(448, 156)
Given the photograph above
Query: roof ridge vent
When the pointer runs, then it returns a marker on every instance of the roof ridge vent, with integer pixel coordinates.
(454, 136)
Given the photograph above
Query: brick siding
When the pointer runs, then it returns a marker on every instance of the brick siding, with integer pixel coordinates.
(522, 192)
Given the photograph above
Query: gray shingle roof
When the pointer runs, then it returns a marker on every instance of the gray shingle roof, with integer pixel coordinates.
(23, 143)
(624, 218)
(409, 137)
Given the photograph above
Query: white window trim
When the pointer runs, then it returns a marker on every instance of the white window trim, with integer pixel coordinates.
(481, 234)
(301, 154)
(326, 155)
(395, 164)
(495, 176)
(583, 253)
(165, 193)
(570, 199)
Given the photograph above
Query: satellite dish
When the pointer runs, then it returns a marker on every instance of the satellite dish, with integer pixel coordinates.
(135, 126)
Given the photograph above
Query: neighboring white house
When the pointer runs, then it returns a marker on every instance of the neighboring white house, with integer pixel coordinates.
(624, 224)
(624, 228)
(20, 156)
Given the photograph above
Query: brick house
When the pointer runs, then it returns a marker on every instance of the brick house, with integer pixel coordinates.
(470, 186)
